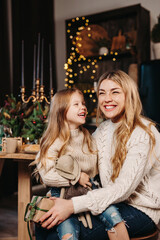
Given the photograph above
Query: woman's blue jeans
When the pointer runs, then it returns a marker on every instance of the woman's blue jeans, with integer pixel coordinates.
(138, 224)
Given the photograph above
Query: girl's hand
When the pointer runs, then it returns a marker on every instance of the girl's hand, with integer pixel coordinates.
(84, 180)
(61, 210)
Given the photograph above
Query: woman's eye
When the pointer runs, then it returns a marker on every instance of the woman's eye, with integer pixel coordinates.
(115, 92)
(100, 93)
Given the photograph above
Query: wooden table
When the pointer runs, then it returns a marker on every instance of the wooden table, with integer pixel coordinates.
(24, 187)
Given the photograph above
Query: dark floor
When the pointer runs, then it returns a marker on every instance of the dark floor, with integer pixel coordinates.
(9, 213)
(8, 216)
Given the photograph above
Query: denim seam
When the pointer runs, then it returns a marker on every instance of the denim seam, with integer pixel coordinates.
(144, 227)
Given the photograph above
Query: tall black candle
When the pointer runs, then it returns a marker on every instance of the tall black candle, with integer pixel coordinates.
(34, 66)
(50, 66)
(38, 55)
(22, 76)
(42, 47)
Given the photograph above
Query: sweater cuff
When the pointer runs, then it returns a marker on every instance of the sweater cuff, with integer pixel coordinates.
(79, 204)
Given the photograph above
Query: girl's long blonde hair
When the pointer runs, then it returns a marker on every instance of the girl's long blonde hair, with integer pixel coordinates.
(131, 118)
(58, 127)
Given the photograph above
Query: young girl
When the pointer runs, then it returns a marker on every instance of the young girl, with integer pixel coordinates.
(66, 138)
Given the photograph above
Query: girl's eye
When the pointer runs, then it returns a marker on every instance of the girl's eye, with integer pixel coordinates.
(76, 104)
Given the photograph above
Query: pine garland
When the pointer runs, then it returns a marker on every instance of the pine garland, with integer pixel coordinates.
(25, 120)
(10, 116)
(34, 125)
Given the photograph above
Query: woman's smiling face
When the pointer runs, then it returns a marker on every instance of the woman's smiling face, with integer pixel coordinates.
(111, 100)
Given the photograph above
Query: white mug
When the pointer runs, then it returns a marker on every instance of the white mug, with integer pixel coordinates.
(11, 145)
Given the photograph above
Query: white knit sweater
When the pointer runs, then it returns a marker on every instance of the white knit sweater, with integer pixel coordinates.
(88, 162)
(139, 180)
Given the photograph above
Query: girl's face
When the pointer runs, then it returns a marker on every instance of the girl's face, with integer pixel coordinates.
(111, 100)
(76, 114)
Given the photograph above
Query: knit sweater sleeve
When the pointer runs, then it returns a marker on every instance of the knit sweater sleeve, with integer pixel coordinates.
(48, 173)
(134, 168)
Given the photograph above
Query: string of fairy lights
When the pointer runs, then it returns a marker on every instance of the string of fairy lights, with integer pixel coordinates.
(77, 58)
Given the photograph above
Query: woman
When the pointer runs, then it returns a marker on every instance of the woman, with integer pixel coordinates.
(129, 165)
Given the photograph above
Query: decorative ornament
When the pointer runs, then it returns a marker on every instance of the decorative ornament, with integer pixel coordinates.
(90, 39)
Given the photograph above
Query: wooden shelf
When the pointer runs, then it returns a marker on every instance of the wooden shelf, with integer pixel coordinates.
(116, 54)
(132, 22)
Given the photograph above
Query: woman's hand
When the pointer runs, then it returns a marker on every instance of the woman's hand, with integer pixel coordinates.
(61, 210)
(84, 180)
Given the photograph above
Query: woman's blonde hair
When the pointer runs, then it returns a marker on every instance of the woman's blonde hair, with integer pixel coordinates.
(131, 118)
(58, 127)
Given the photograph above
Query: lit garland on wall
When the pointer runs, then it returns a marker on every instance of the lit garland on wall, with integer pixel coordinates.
(92, 63)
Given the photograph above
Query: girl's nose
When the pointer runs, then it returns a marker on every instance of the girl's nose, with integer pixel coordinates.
(84, 107)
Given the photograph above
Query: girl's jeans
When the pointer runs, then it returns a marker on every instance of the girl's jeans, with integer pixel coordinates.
(70, 225)
(138, 224)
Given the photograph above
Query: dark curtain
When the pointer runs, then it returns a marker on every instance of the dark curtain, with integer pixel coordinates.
(28, 19)
(22, 20)
(4, 53)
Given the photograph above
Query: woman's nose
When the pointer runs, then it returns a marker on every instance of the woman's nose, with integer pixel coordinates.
(108, 97)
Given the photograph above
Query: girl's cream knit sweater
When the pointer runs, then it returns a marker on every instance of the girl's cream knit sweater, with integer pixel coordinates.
(87, 161)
